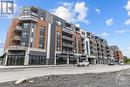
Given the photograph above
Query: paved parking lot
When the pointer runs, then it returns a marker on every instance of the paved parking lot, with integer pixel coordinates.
(11, 74)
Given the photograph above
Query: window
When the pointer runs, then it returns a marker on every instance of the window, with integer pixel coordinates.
(37, 60)
(42, 38)
(79, 46)
(58, 22)
(41, 45)
(32, 34)
(31, 44)
(15, 60)
(42, 31)
(25, 34)
(87, 47)
(24, 44)
(83, 33)
(75, 44)
(25, 12)
(33, 25)
(26, 25)
(58, 41)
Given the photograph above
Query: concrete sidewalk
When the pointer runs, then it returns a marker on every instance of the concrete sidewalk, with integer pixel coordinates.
(12, 74)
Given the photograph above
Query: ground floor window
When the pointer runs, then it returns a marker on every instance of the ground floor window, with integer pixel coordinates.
(1, 59)
(15, 60)
(37, 60)
(99, 61)
(72, 60)
(81, 59)
(61, 60)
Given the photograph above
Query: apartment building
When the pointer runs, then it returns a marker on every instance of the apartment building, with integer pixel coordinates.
(117, 54)
(92, 46)
(37, 37)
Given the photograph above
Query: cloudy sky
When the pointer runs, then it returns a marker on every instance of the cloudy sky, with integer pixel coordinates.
(109, 19)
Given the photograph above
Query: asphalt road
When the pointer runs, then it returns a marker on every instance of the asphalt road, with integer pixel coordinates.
(107, 79)
(96, 76)
(12, 74)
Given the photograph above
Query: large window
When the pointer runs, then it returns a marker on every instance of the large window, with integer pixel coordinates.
(15, 60)
(58, 41)
(42, 37)
(83, 33)
(79, 49)
(24, 43)
(75, 45)
(87, 47)
(37, 60)
(58, 22)
(25, 34)
(26, 12)
(26, 25)
(33, 25)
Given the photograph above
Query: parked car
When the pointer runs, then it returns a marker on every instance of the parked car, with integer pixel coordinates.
(121, 63)
(111, 64)
(83, 64)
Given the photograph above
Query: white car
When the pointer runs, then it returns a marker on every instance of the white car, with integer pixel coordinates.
(121, 63)
(83, 64)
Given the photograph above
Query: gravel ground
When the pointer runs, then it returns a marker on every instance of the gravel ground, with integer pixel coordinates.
(111, 79)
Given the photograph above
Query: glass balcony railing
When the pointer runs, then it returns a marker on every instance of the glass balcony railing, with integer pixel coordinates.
(67, 38)
(67, 45)
(16, 38)
(28, 17)
(67, 52)
(67, 30)
(17, 47)
(34, 14)
(18, 28)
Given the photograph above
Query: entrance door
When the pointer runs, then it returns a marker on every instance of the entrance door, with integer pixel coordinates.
(91, 60)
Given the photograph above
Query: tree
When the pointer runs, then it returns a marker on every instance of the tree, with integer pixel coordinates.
(126, 60)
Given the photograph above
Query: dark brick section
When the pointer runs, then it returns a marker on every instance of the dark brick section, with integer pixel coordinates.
(52, 45)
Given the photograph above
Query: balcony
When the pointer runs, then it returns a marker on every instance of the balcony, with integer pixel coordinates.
(28, 17)
(17, 47)
(67, 30)
(16, 38)
(108, 53)
(18, 29)
(108, 48)
(83, 36)
(99, 50)
(67, 45)
(67, 52)
(83, 49)
(83, 43)
(67, 38)
(34, 14)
